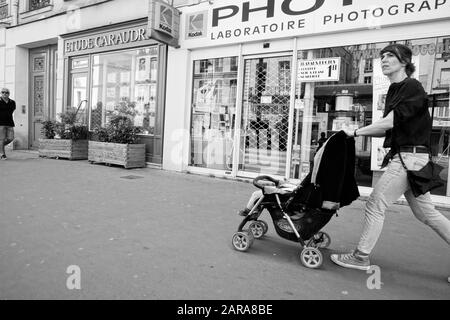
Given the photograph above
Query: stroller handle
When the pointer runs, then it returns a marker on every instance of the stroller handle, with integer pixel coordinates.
(257, 181)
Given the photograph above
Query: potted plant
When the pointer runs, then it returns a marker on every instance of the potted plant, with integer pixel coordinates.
(64, 139)
(117, 143)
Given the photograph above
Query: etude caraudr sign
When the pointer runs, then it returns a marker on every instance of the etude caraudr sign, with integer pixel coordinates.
(107, 40)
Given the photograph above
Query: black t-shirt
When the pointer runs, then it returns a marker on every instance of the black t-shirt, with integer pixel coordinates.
(412, 120)
(6, 112)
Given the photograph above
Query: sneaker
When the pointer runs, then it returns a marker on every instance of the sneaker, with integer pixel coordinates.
(3, 157)
(351, 260)
(244, 212)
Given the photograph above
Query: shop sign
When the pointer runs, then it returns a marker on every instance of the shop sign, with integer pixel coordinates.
(163, 22)
(237, 21)
(106, 41)
(314, 70)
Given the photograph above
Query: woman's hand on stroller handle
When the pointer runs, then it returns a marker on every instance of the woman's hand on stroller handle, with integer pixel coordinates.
(349, 133)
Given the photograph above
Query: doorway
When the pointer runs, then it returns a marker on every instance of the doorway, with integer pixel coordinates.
(42, 95)
(265, 115)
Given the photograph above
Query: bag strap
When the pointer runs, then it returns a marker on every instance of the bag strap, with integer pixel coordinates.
(443, 152)
(401, 160)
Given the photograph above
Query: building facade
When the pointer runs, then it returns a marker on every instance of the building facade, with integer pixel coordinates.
(265, 79)
(244, 88)
(91, 55)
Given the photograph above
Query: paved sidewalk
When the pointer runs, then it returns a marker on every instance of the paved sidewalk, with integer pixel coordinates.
(153, 234)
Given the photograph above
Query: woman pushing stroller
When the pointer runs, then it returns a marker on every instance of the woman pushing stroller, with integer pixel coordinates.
(406, 126)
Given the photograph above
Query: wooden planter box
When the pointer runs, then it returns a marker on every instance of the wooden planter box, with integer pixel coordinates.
(63, 148)
(127, 155)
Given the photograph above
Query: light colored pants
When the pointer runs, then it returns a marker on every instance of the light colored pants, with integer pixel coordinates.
(392, 184)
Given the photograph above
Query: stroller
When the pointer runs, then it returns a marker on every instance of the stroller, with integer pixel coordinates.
(300, 212)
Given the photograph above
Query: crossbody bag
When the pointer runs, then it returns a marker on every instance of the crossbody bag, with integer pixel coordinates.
(425, 179)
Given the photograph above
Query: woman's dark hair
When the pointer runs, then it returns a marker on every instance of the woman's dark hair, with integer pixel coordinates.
(403, 54)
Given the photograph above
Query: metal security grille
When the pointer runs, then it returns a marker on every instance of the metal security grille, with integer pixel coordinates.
(265, 115)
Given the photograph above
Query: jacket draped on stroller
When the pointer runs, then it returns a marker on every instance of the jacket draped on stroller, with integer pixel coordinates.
(331, 184)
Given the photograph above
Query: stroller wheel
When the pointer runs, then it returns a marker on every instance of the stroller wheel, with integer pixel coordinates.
(242, 240)
(323, 239)
(266, 226)
(258, 229)
(311, 258)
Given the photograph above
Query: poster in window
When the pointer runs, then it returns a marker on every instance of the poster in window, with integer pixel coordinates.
(143, 68)
(380, 88)
(205, 95)
(197, 125)
(153, 69)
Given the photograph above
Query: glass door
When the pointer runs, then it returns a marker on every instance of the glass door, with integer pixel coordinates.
(265, 115)
(78, 88)
(213, 113)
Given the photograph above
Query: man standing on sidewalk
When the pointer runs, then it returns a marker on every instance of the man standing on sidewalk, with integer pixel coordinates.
(7, 107)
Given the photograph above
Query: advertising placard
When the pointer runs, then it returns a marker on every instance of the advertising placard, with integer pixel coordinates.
(316, 70)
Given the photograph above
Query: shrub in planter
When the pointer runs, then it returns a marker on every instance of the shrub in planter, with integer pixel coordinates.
(64, 139)
(48, 129)
(117, 143)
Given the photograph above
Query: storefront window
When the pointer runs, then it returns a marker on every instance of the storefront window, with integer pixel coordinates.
(213, 113)
(125, 78)
(356, 96)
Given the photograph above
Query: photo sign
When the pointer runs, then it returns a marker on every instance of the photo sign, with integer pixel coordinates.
(316, 70)
(241, 21)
